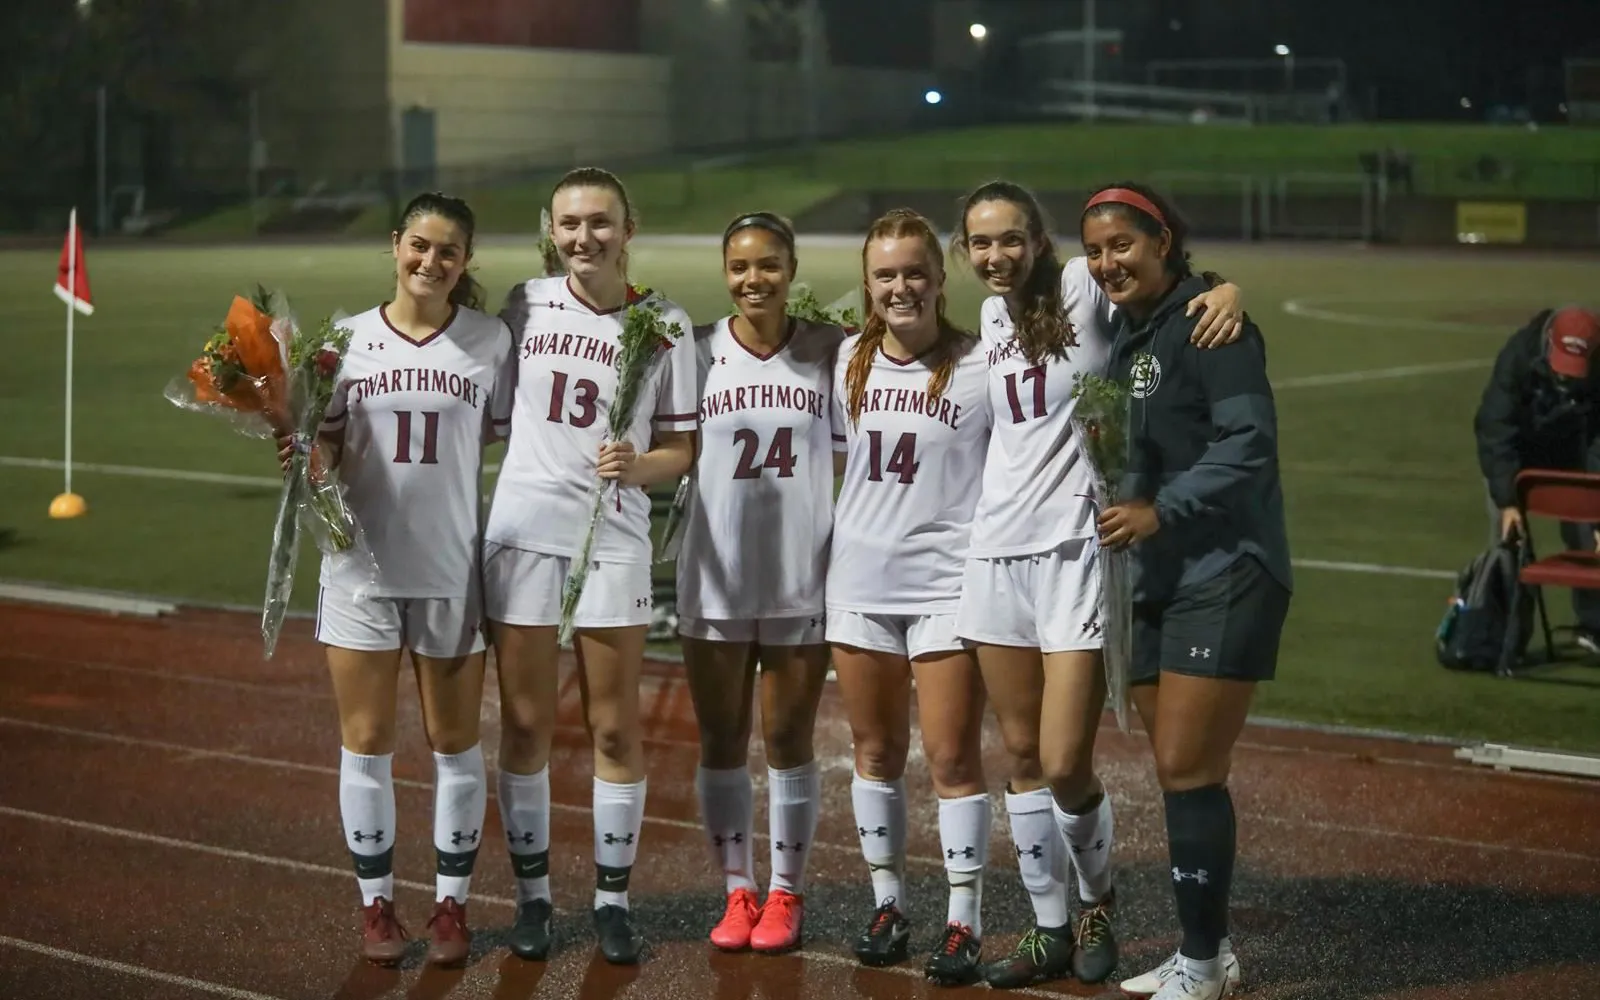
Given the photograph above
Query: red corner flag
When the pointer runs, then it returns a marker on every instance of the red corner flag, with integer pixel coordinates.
(72, 275)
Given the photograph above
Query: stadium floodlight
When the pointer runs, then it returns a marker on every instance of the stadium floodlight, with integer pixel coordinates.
(933, 97)
(1280, 49)
(978, 31)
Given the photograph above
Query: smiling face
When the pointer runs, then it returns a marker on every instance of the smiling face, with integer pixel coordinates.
(758, 268)
(430, 257)
(1127, 261)
(591, 229)
(999, 246)
(904, 281)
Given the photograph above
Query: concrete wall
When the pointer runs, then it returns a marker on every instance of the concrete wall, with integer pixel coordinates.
(501, 105)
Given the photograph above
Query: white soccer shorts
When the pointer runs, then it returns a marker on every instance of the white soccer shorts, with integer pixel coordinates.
(440, 627)
(1049, 601)
(910, 636)
(524, 588)
(807, 630)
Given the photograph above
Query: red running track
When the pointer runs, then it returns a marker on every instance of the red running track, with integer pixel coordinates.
(168, 816)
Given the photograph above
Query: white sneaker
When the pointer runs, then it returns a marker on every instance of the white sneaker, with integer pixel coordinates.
(1152, 981)
(1188, 982)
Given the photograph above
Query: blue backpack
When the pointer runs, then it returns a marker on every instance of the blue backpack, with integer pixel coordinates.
(1490, 616)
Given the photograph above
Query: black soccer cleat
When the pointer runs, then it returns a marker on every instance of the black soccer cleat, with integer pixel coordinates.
(530, 935)
(955, 961)
(619, 942)
(886, 939)
(1094, 956)
(1044, 953)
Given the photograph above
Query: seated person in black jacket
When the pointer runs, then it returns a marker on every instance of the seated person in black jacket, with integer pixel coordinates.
(1541, 410)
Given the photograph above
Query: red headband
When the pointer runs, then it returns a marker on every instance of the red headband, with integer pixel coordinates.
(1123, 196)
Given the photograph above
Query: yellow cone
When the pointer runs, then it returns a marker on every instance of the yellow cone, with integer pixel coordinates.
(68, 505)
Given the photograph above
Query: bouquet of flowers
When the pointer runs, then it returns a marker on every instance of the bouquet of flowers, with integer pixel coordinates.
(803, 304)
(271, 378)
(1100, 420)
(646, 337)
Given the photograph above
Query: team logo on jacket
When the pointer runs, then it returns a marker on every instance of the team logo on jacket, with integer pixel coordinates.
(1146, 375)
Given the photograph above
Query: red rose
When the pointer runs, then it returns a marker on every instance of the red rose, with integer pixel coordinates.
(327, 363)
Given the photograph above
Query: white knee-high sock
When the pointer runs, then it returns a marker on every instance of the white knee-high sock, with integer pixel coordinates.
(880, 808)
(366, 806)
(728, 811)
(460, 796)
(792, 797)
(525, 814)
(964, 835)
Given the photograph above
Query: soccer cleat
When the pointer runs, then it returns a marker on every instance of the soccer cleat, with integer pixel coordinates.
(451, 939)
(383, 939)
(1094, 953)
(886, 939)
(732, 932)
(530, 935)
(783, 918)
(955, 961)
(1044, 953)
(619, 942)
(1186, 983)
(1150, 982)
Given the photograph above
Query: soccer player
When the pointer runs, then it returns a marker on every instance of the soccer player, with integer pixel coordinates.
(1211, 579)
(751, 572)
(567, 335)
(910, 400)
(1031, 601)
(425, 382)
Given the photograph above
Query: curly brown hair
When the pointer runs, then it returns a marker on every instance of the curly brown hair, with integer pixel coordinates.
(902, 223)
(1042, 328)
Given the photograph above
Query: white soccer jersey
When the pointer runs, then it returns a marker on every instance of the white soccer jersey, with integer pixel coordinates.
(756, 529)
(1036, 478)
(414, 417)
(566, 356)
(913, 471)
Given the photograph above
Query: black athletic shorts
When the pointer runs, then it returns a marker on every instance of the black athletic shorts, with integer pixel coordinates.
(1226, 627)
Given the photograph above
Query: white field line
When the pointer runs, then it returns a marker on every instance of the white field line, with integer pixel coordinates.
(1312, 309)
(138, 971)
(208, 477)
(853, 850)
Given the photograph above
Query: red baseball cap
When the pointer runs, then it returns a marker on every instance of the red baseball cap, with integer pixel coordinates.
(1572, 336)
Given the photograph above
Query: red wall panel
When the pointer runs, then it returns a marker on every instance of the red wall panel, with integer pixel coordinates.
(593, 25)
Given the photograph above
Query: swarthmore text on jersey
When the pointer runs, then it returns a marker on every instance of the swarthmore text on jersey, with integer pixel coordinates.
(417, 380)
(749, 397)
(574, 344)
(912, 401)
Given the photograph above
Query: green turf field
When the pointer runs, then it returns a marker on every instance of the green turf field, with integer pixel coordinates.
(1378, 464)
(686, 197)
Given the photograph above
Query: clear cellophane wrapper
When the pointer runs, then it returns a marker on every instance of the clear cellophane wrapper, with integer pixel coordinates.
(677, 520)
(292, 399)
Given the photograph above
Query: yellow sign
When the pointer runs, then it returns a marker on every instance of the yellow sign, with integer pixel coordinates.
(1491, 221)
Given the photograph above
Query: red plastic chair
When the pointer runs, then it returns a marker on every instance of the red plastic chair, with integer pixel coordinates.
(1563, 496)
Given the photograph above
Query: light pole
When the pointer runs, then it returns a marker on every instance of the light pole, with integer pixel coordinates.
(1288, 66)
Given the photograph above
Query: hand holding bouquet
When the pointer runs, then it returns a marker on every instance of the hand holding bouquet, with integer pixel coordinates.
(271, 378)
(1100, 419)
(646, 337)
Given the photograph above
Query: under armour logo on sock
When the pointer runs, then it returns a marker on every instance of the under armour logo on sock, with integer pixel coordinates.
(1036, 851)
(358, 836)
(877, 831)
(780, 845)
(720, 840)
(458, 838)
(1098, 845)
(965, 852)
(1197, 877)
(612, 838)
(526, 838)
(1196, 653)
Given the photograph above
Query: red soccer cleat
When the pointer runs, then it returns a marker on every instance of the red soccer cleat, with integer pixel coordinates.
(451, 938)
(782, 919)
(383, 940)
(732, 933)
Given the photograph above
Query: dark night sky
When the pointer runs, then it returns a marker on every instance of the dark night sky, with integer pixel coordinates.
(1406, 58)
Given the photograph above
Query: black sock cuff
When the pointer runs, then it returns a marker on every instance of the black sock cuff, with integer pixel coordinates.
(373, 865)
(612, 879)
